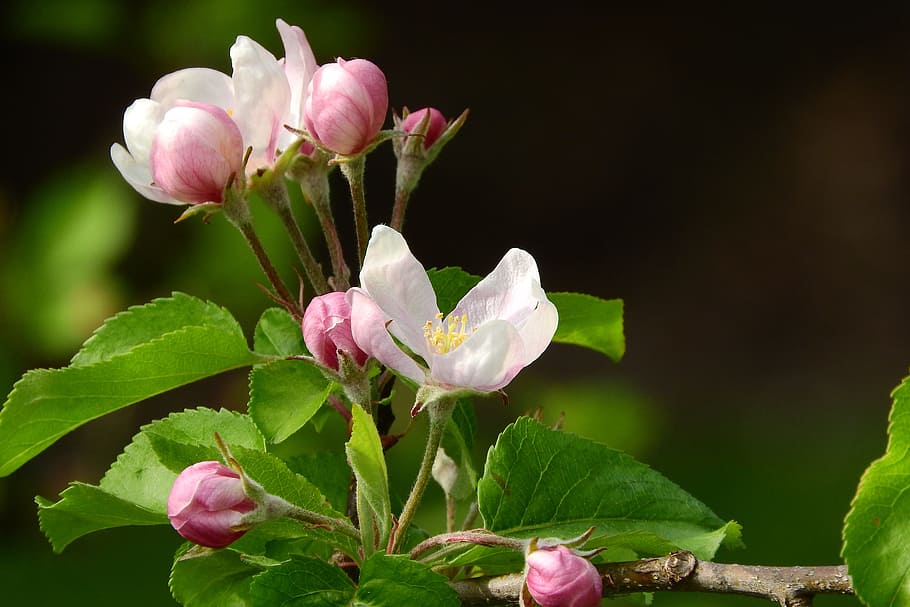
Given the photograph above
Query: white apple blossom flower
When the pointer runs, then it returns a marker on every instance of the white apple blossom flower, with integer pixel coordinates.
(499, 327)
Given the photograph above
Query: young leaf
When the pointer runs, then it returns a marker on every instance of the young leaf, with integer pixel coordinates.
(284, 395)
(134, 490)
(364, 450)
(47, 404)
(591, 322)
(278, 334)
(878, 524)
(541, 482)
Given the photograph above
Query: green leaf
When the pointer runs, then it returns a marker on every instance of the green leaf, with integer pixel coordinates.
(284, 395)
(278, 334)
(591, 322)
(134, 490)
(47, 404)
(302, 582)
(584, 320)
(541, 482)
(365, 455)
(140, 324)
(878, 524)
(327, 470)
(216, 578)
(450, 285)
(84, 508)
(385, 581)
(392, 581)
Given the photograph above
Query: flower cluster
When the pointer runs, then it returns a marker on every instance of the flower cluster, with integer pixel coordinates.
(200, 129)
(205, 139)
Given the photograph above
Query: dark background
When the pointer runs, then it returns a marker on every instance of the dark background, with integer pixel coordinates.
(739, 179)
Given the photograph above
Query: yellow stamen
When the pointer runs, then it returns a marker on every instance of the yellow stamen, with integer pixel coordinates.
(444, 341)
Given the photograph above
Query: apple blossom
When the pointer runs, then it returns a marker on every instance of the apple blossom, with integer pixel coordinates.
(557, 577)
(327, 330)
(257, 96)
(500, 326)
(346, 105)
(434, 128)
(206, 504)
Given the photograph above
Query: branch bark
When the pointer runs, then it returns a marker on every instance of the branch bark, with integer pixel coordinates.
(683, 572)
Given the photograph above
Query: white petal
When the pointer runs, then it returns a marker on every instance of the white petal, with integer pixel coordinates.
(510, 292)
(138, 175)
(262, 99)
(299, 67)
(368, 326)
(399, 284)
(195, 84)
(486, 361)
(140, 120)
(538, 329)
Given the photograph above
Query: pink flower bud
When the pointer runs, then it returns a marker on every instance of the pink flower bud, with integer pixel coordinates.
(559, 578)
(346, 105)
(207, 503)
(327, 329)
(196, 150)
(435, 126)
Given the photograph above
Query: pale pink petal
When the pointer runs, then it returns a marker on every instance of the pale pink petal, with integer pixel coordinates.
(368, 325)
(262, 97)
(398, 283)
(510, 292)
(375, 88)
(486, 361)
(195, 84)
(138, 175)
(299, 67)
(538, 329)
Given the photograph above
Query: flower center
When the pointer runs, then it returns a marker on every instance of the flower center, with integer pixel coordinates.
(445, 337)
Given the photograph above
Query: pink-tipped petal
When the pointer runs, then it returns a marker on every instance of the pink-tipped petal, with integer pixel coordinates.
(196, 151)
(139, 175)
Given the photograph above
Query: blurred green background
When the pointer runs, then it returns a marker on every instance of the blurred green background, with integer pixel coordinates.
(740, 179)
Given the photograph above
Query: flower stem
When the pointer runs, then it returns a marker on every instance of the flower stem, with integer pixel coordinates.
(402, 195)
(276, 195)
(353, 170)
(320, 520)
(238, 213)
(439, 411)
(314, 183)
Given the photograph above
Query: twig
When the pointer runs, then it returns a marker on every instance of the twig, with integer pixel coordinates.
(683, 572)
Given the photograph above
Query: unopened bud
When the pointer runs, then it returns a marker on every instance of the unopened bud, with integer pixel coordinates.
(435, 125)
(327, 330)
(196, 151)
(207, 504)
(557, 577)
(346, 105)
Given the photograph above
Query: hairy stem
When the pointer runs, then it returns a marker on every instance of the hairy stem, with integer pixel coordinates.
(236, 210)
(683, 572)
(353, 170)
(276, 195)
(439, 411)
(315, 187)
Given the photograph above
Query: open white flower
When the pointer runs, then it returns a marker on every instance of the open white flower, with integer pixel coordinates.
(500, 326)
